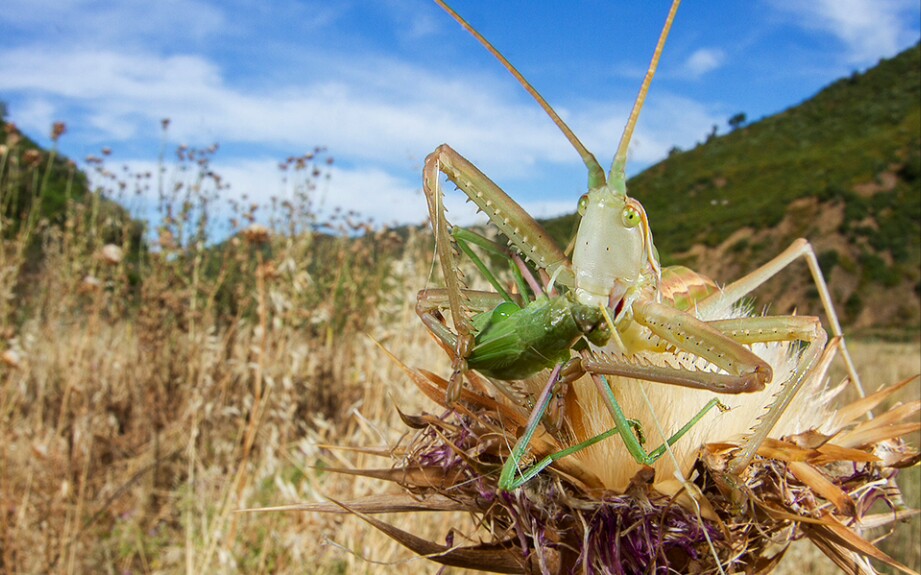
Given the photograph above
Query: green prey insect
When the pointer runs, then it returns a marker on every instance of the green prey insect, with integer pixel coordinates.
(614, 269)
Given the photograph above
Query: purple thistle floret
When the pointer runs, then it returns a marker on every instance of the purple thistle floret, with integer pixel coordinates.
(626, 537)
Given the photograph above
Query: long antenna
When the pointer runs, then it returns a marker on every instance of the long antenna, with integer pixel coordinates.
(595, 173)
(618, 176)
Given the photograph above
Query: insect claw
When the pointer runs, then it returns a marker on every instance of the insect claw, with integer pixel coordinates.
(455, 386)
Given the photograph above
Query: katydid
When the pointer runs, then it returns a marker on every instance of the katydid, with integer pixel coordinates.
(615, 270)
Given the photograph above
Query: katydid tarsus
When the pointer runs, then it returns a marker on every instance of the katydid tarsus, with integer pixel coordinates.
(614, 273)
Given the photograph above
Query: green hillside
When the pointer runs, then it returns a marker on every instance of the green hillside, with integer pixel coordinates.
(27, 177)
(842, 169)
(41, 193)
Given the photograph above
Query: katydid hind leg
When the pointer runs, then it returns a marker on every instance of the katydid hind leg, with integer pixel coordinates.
(737, 333)
(735, 291)
(743, 370)
(813, 363)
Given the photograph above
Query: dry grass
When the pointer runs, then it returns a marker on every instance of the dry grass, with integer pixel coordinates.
(146, 398)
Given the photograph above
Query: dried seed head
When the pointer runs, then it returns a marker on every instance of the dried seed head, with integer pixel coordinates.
(111, 254)
(57, 130)
(13, 137)
(257, 234)
(268, 271)
(32, 158)
(166, 239)
(90, 284)
(11, 358)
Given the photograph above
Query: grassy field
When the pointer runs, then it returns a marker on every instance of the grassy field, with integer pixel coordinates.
(147, 395)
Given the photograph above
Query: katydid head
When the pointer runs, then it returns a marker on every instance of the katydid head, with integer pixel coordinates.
(613, 251)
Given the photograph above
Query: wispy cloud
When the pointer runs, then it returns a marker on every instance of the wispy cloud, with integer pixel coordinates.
(381, 117)
(702, 61)
(867, 28)
(380, 110)
(126, 24)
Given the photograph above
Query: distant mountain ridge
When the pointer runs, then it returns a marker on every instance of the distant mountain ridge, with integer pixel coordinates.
(842, 169)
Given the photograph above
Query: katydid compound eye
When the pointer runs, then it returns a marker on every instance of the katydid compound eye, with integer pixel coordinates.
(631, 217)
(583, 204)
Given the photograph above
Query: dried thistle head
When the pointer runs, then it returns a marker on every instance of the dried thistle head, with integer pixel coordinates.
(11, 358)
(57, 130)
(815, 484)
(257, 235)
(32, 158)
(111, 254)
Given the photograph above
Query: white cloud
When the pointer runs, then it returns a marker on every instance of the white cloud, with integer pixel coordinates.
(702, 61)
(35, 116)
(124, 23)
(868, 28)
(381, 110)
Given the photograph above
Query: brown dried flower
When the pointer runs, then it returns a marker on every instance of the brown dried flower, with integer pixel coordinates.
(111, 254)
(257, 234)
(820, 486)
(57, 130)
(32, 158)
(11, 358)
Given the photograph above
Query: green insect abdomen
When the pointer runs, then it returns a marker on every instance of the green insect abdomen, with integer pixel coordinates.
(519, 344)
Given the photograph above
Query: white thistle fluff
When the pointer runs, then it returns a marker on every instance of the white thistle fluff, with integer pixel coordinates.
(673, 406)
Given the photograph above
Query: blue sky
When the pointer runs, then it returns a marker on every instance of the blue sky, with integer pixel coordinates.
(382, 83)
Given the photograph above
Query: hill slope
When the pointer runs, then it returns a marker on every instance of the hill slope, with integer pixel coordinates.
(842, 169)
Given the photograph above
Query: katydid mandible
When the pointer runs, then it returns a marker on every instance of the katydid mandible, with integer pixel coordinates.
(615, 268)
